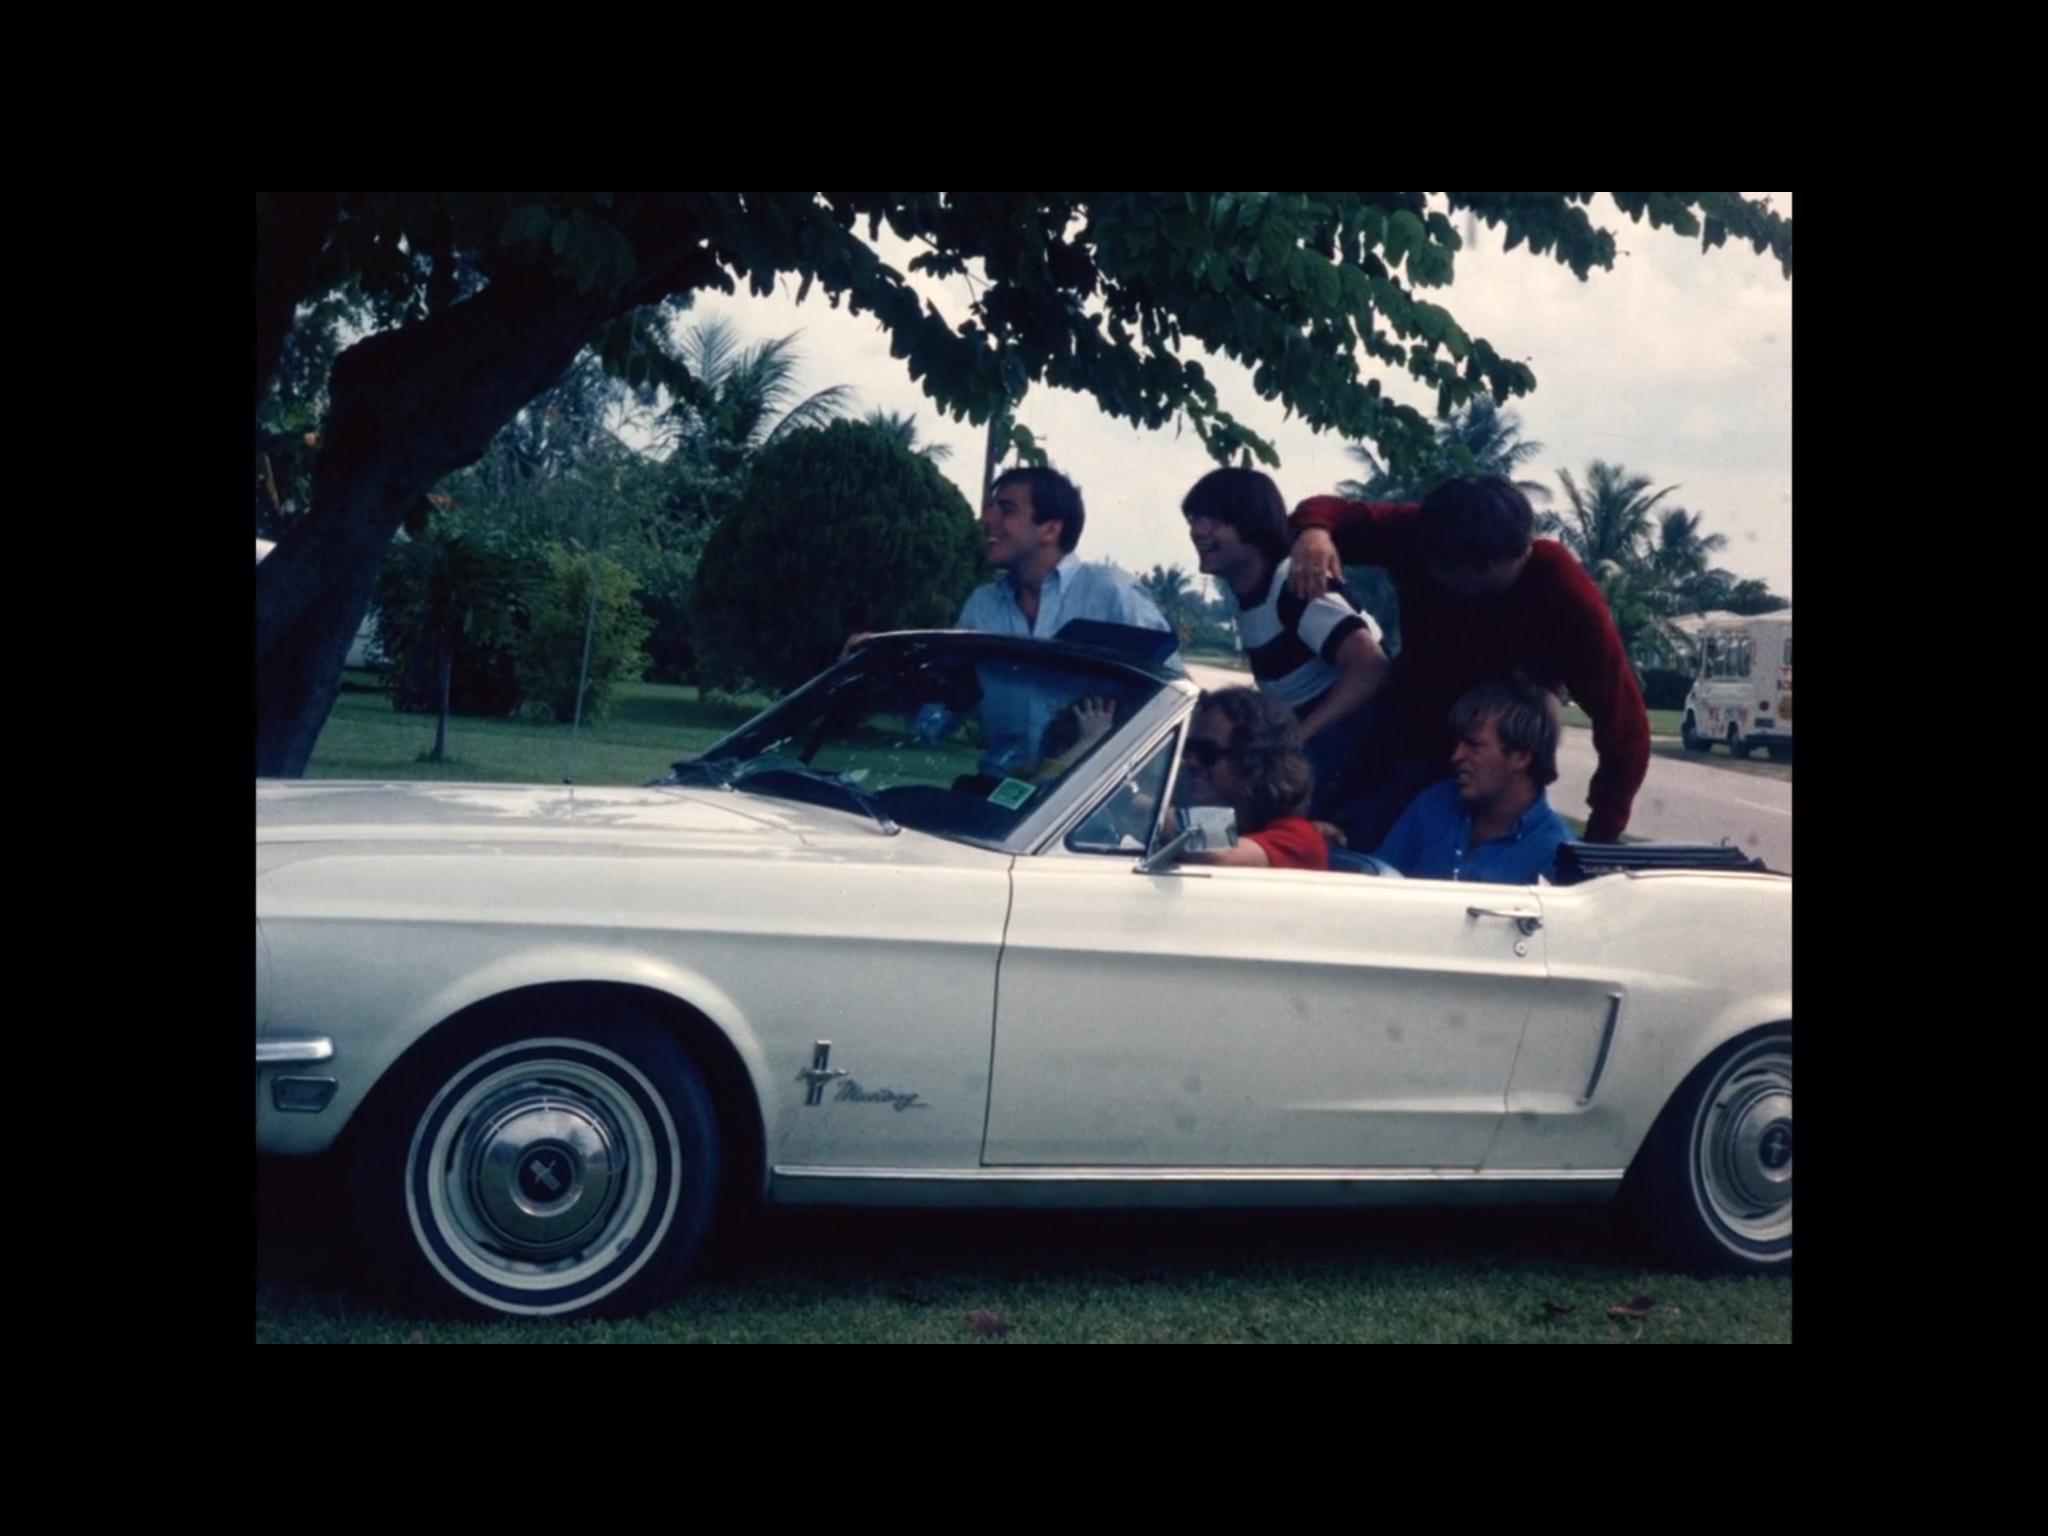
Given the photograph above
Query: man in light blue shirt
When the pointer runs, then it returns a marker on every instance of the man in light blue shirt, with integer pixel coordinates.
(1032, 523)
(1490, 820)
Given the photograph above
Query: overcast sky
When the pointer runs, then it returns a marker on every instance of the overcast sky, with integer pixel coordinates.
(1677, 363)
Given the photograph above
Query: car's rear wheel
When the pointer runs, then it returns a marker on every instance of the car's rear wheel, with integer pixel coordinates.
(1713, 1183)
(550, 1159)
(1694, 741)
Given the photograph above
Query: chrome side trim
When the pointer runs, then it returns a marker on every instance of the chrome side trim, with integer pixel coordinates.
(1606, 1045)
(293, 1050)
(1195, 1187)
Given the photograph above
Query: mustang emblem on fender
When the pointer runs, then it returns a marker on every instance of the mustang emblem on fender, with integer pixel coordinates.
(851, 1092)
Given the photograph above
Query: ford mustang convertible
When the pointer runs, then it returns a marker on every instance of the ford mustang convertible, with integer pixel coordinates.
(925, 933)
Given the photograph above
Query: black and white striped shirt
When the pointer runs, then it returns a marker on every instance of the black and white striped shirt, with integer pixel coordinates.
(1291, 644)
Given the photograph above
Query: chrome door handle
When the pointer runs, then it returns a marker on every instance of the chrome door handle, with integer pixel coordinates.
(1522, 920)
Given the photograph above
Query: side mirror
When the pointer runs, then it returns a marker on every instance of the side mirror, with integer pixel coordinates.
(1203, 827)
(1187, 840)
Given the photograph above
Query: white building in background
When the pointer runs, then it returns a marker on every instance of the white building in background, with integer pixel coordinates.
(363, 651)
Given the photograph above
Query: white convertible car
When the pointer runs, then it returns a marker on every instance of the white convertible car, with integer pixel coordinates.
(872, 949)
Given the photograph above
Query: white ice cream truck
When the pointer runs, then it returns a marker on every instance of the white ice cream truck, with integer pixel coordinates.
(1742, 695)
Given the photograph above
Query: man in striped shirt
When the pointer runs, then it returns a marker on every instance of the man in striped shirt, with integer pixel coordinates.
(1320, 657)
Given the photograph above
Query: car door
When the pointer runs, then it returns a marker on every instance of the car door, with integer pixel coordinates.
(1209, 1017)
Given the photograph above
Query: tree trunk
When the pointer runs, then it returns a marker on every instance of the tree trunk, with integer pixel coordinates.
(409, 406)
(447, 687)
(998, 444)
(296, 689)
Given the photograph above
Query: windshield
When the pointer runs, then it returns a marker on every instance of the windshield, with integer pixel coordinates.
(953, 735)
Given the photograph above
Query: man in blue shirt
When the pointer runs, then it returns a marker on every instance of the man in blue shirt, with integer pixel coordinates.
(1490, 820)
(1032, 523)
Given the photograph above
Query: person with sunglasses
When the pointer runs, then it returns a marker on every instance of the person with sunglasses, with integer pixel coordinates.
(1244, 751)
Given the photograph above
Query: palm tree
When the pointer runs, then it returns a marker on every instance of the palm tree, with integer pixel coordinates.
(1608, 521)
(902, 428)
(754, 395)
(1478, 439)
(1173, 591)
(1681, 555)
(1633, 554)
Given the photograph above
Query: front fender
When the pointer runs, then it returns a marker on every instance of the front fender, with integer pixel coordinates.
(370, 1040)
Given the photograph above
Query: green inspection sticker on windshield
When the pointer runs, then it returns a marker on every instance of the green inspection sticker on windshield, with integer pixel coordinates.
(1011, 793)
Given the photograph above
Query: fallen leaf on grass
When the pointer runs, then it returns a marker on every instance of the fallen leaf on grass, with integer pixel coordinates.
(1640, 1306)
(984, 1324)
(1553, 1310)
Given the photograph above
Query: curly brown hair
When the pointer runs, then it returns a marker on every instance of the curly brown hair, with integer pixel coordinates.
(1266, 743)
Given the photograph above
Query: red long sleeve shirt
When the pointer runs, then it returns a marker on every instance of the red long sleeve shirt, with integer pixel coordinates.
(1552, 624)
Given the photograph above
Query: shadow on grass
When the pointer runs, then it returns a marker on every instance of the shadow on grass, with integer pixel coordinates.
(303, 1243)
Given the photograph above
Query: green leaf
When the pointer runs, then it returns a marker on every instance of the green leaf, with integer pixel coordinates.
(1413, 236)
(1329, 286)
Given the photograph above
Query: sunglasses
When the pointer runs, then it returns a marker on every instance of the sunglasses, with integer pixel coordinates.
(1206, 752)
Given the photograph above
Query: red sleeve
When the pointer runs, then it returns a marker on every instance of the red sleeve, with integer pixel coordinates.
(1366, 532)
(1293, 843)
(1604, 685)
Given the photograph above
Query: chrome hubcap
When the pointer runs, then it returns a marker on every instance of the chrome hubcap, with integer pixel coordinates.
(538, 1175)
(544, 1168)
(1744, 1144)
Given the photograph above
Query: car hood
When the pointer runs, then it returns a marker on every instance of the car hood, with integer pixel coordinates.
(296, 818)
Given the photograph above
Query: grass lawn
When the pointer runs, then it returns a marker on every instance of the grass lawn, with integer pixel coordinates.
(649, 727)
(1262, 1277)
(1663, 722)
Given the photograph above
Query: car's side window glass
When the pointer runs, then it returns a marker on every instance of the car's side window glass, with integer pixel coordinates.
(1123, 822)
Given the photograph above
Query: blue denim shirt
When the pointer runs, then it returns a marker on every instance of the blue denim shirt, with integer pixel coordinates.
(1433, 841)
(1013, 719)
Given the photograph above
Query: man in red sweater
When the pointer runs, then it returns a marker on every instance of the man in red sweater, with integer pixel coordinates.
(1479, 599)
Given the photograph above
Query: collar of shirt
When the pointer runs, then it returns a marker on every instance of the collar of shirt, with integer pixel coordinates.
(1055, 578)
(1538, 811)
(1051, 594)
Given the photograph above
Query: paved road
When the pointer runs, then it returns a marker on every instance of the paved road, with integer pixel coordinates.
(1689, 802)
(1679, 801)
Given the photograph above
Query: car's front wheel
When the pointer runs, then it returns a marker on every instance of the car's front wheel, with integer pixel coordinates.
(1694, 741)
(1713, 1183)
(544, 1161)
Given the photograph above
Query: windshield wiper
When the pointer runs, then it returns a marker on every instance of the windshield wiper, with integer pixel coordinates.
(715, 771)
(809, 777)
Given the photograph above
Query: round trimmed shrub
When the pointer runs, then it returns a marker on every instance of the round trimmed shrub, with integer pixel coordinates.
(839, 530)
